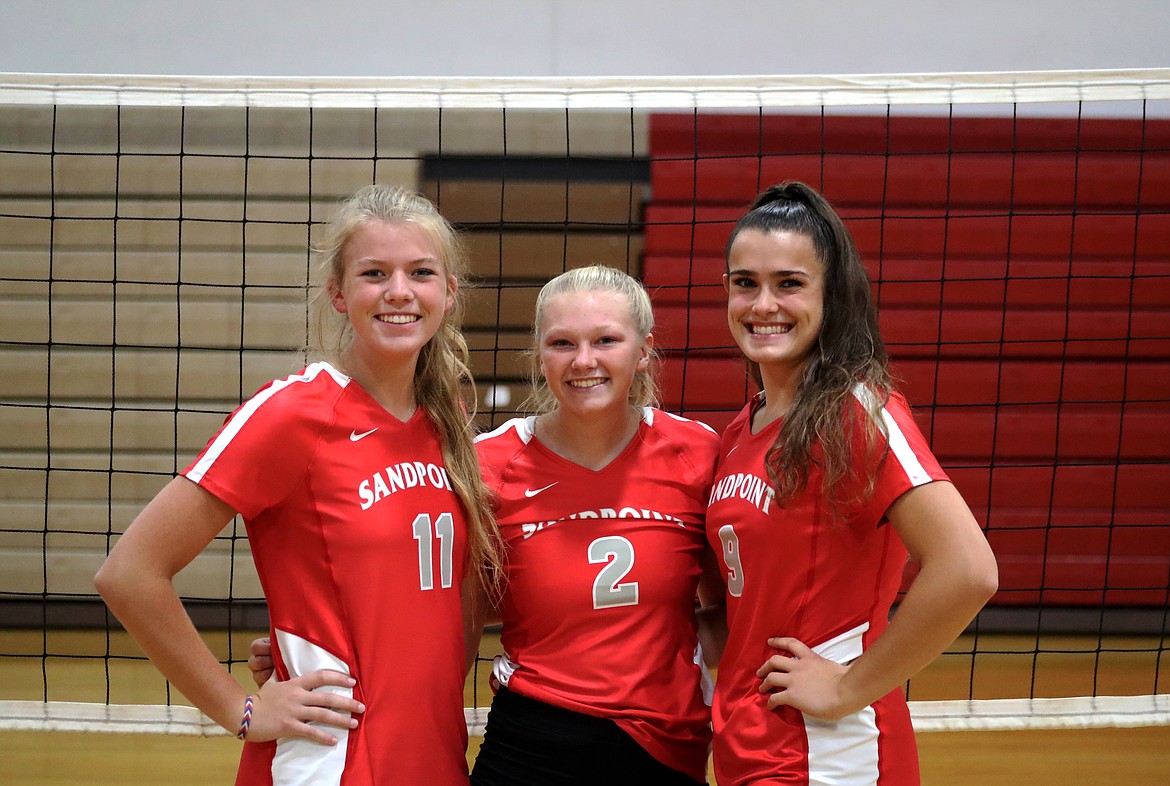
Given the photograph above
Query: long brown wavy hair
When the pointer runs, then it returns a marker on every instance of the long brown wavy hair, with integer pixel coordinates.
(443, 385)
(817, 430)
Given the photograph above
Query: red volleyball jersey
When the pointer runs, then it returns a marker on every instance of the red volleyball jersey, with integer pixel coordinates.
(599, 607)
(360, 546)
(828, 582)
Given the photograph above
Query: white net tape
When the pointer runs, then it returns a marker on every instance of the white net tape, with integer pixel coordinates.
(1085, 712)
(588, 92)
(79, 716)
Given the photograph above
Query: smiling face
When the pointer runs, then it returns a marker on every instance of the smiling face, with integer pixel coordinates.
(775, 299)
(589, 351)
(394, 289)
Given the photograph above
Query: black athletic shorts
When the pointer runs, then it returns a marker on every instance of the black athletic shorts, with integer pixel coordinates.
(530, 743)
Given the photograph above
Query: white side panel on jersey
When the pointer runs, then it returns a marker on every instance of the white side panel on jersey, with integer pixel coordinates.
(843, 752)
(301, 762)
(706, 682)
(503, 668)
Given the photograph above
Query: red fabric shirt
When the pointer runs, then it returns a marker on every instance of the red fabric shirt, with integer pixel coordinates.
(828, 582)
(602, 567)
(360, 546)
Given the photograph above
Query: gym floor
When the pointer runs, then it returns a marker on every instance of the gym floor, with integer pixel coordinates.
(1133, 756)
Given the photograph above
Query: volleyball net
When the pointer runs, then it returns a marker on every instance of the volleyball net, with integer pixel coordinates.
(154, 265)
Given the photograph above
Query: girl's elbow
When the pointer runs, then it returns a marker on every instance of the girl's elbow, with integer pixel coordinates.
(971, 581)
(111, 582)
(991, 585)
(105, 581)
(984, 578)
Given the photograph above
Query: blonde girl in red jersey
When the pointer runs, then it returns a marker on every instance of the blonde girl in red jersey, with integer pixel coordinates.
(599, 499)
(367, 519)
(824, 485)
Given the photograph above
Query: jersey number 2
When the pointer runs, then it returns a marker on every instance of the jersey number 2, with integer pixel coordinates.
(444, 530)
(608, 589)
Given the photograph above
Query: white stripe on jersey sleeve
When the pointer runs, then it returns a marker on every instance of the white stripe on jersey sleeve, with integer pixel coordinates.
(525, 429)
(899, 445)
(224, 438)
(649, 418)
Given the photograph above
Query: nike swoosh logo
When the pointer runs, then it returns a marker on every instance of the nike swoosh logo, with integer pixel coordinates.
(354, 436)
(534, 492)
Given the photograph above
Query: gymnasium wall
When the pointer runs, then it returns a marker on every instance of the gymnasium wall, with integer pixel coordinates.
(573, 38)
(1022, 301)
(534, 37)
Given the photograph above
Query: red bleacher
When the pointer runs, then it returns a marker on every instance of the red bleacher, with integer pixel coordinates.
(1022, 272)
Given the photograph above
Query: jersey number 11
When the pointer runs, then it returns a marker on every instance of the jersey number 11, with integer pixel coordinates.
(444, 530)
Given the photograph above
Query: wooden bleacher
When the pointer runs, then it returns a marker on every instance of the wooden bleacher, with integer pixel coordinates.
(527, 219)
(127, 340)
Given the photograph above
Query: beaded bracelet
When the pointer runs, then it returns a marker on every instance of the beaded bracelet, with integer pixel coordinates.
(246, 721)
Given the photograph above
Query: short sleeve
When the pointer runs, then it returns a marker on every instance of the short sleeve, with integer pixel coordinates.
(908, 462)
(264, 449)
